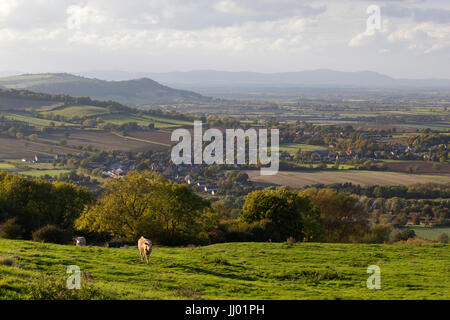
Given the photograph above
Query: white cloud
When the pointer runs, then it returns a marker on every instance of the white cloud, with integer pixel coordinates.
(6, 7)
(188, 34)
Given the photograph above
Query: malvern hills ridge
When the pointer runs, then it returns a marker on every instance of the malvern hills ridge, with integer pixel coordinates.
(134, 92)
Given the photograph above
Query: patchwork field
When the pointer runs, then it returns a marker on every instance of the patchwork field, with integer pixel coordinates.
(270, 271)
(298, 179)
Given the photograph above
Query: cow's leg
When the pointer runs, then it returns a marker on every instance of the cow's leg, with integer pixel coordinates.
(147, 258)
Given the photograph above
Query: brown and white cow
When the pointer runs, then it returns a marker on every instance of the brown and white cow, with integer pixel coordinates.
(145, 248)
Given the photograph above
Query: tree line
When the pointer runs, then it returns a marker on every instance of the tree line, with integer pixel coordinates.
(144, 203)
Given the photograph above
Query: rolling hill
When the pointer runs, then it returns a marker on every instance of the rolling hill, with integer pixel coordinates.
(269, 271)
(142, 91)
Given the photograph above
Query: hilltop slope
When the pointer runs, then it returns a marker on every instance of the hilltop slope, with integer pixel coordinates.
(229, 271)
(142, 91)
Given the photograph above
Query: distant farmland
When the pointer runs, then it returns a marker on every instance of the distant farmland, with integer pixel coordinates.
(292, 148)
(80, 111)
(297, 179)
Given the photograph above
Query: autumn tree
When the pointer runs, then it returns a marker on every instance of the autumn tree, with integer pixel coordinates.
(148, 204)
(283, 213)
(36, 203)
(343, 216)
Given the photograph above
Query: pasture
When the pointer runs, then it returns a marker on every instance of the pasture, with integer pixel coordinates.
(299, 179)
(292, 148)
(28, 118)
(272, 271)
(121, 118)
(429, 232)
(80, 111)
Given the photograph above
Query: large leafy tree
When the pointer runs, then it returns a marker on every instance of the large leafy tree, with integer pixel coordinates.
(343, 216)
(35, 203)
(284, 214)
(147, 204)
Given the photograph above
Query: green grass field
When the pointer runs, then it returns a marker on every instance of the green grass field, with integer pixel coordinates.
(292, 148)
(80, 111)
(33, 121)
(228, 271)
(7, 166)
(429, 232)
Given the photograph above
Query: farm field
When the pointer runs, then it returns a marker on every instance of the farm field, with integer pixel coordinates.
(292, 148)
(420, 166)
(298, 179)
(49, 143)
(270, 271)
(428, 232)
(121, 118)
(107, 140)
(35, 170)
(28, 118)
(80, 111)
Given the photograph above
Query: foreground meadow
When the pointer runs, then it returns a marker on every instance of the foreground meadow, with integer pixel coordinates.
(30, 270)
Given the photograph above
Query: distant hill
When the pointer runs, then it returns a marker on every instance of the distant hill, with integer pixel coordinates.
(142, 91)
(311, 78)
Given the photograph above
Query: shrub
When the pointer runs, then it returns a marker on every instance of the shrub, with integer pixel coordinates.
(56, 289)
(10, 229)
(443, 238)
(52, 234)
(378, 233)
(403, 235)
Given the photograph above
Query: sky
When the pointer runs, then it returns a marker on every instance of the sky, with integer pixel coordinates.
(409, 38)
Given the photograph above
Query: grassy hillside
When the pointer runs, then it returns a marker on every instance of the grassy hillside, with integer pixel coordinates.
(227, 271)
(80, 111)
(132, 92)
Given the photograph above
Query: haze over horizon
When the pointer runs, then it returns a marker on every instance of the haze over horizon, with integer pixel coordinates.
(263, 36)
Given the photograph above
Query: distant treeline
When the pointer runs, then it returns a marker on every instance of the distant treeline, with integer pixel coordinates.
(419, 191)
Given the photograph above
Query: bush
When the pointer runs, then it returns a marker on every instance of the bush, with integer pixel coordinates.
(52, 234)
(56, 289)
(378, 233)
(443, 238)
(10, 229)
(403, 235)
(239, 231)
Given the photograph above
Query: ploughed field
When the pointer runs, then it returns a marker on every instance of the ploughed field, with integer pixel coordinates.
(298, 179)
(30, 270)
